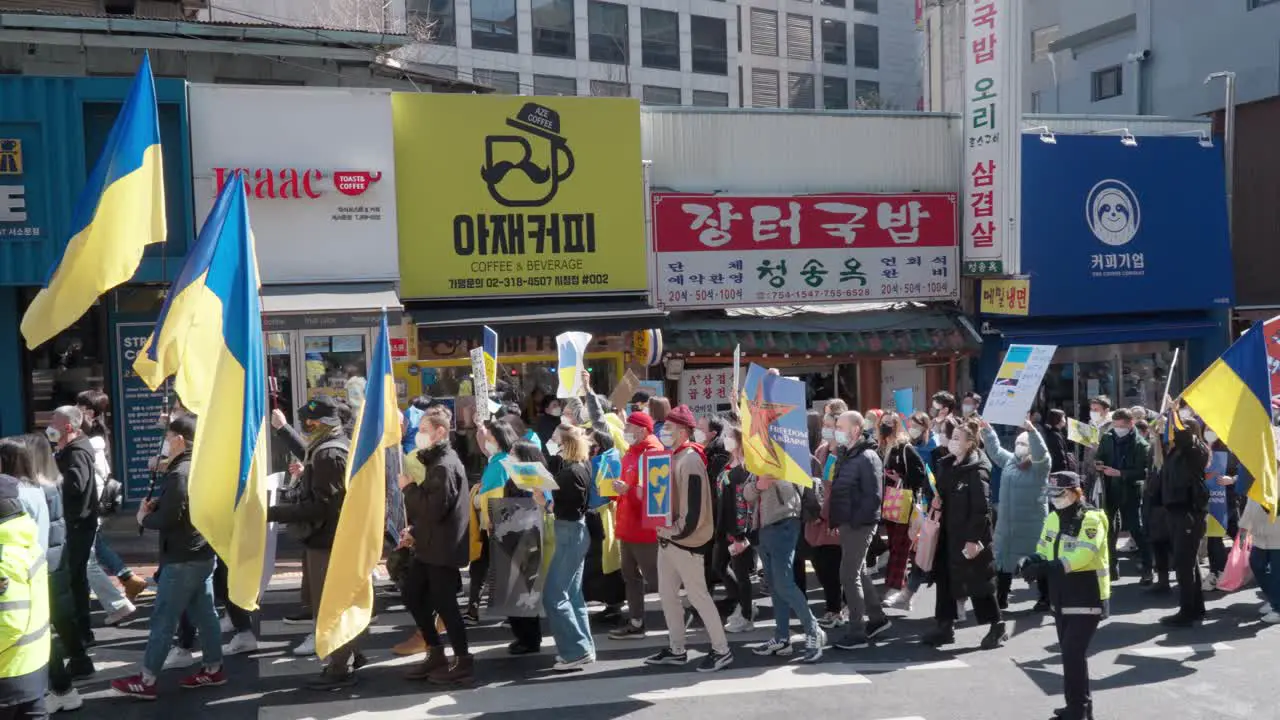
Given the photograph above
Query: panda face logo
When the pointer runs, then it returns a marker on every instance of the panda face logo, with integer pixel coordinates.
(1113, 213)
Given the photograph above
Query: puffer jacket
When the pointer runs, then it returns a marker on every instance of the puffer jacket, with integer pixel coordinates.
(1022, 508)
(322, 489)
(857, 487)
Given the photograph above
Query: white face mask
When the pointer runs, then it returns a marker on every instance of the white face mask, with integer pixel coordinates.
(491, 448)
(1121, 432)
(665, 438)
(699, 437)
(967, 408)
(1186, 414)
(1063, 501)
(828, 434)
(1210, 437)
(554, 411)
(54, 434)
(915, 432)
(1022, 452)
(955, 447)
(565, 421)
(164, 448)
(730, 443)
(422, 441)
(1095, 417)
(553, 447)
(843, 439)
(631, 438)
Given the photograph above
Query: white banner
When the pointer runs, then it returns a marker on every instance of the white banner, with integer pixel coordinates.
(1016, 384)
(706, 391)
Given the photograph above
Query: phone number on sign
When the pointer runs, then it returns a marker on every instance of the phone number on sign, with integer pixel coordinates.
(718, 295)
(517, 283)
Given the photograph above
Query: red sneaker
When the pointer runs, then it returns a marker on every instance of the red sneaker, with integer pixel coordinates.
(133, 686)
(204, 678)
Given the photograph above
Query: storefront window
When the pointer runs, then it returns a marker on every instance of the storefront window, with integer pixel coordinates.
(280, 392)
(1144, 375)
(335, 364)
(1094, 379)
(1130, 375)
(67, 365)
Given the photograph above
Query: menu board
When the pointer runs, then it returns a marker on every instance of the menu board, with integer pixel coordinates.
(139, 432)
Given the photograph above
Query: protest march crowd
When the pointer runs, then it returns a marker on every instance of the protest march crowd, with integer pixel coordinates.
(928, 498)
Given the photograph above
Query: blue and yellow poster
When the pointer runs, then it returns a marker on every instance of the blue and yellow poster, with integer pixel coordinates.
(657, 489)
(775, 427)
(1216, 523)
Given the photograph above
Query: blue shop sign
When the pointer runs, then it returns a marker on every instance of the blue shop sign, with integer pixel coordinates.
(22, 186)
(1108, 228)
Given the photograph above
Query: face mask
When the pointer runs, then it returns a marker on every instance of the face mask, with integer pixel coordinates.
(1210, 437)
(968, 408)
(886, 429)
(915, 432)
(554, 411)
(665, 438)
(1022, 452)
(699, 437)
(631, 438)
(1063, 501)
(491, 448)
(828, 434)
(1186, 414)
(843, 439)
(730, 444)
(955, 447)
(164, 448)
(1095, 417)
(553, 447)
(54, 434)
(423, 441)
(1121, 432)
(565, 421)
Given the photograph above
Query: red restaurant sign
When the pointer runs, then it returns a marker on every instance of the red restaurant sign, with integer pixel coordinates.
(297, 183)
(727, 250)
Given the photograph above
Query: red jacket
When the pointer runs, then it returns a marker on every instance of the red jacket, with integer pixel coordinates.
(630, 523)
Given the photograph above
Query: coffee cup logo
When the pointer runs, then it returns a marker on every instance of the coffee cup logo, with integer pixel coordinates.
(534, 185)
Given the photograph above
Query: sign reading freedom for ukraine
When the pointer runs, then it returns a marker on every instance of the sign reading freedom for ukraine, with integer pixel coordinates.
(775, 428)
(504, 196)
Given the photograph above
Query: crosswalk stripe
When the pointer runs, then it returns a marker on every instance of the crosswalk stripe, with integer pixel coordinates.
(1166, 651)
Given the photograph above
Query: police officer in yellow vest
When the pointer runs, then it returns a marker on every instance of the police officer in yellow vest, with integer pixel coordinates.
(1072, 554)
(24, 610)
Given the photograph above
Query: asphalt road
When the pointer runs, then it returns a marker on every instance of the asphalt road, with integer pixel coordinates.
(1220, 670)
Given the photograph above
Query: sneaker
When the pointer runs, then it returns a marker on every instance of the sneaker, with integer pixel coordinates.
(69, 700)
(996, 637)
(1210, 583)
(226, 624)
(179, 658)
(667, 656)
(1265, 609)
(781, 648)
(133, 587)
(813, 643)
(1271, 618)
(306, 647)
(715, 661)
(204, 678)
(471, 617)
(630, 631)
(120, 615)
(891, 600)
(829, 620)
(563, 665)
(134, 687)
(300, 618)
(241, 643)
(878, 627)
(854, 640)
(738, 624)
(331, 680)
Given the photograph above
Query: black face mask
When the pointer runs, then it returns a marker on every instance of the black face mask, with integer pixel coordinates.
(1182, 437)
(886, 429)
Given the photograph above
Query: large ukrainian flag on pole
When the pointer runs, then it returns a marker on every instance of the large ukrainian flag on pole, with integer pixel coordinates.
(1233, 397)
(209, 336)
(119, 213)
(346, 605)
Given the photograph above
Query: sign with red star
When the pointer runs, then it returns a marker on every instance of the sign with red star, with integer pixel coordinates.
(775, 437)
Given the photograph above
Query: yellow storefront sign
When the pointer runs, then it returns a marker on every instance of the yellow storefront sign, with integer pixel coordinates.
(1006, 297)
(505, 196)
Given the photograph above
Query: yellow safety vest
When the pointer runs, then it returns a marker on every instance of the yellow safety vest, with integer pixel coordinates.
(24, 612)
(1081, 548)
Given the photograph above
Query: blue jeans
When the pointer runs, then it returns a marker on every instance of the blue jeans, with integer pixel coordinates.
(562, 592)
(1265, 565)
(107, 557)
(184, 587)
(778, 553)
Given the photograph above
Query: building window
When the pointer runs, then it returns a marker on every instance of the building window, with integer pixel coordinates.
(494, 26)
(833, 3)
(866, 95)
(436, 18)
(1107, 83)
(553, 28)
(764, 32)
(835, 42)
(710, 98)
(553, 85)
(764, 88)
(800, 91)
(866, 46)
(867, 6)
(1255, 4)
(507, 83)
(1035, 102)
(799, 37)
(606, 88)
(610, 40)
(660, 39)
(655, 95)
(1040, 40)
(835, 93)
(710, 40)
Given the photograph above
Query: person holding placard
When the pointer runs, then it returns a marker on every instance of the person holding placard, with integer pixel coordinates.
(639, 543)
(562, 593)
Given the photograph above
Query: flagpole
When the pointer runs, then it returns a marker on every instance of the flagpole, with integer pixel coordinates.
(1168, 381)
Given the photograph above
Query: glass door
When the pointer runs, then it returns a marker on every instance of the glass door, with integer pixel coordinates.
(280, 391)
(337, 364)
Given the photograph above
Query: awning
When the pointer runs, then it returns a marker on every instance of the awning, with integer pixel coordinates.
(531, 317)
(301, 307)
(1102, 330)
(878, 330)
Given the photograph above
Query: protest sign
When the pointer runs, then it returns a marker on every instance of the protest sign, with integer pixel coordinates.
(657, 489)
(1016, 384)
(904, 401)
(775, 427)
(1216, 520)
(490, 347)
(571, 348)
(529, 475)
(480, 384)
(516, 556)
(625, 390)
(1082, 433)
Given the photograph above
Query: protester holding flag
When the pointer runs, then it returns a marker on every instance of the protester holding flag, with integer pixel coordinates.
(639, 543)
(1022, 507)
(1185, 499)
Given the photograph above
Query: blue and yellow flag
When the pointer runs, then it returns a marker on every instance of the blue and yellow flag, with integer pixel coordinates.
(119, 213)
(1233, 397)
(775, 432)
(212, 315)
(490, 348)
(346, 605)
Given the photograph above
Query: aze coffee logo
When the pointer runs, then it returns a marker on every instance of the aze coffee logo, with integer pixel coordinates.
(540, 124)
(1113, 213)
(10, 156)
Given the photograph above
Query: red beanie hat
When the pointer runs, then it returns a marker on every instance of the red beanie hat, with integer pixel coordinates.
(640, 419)
(682, 415)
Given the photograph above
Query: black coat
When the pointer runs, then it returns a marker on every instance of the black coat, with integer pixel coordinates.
(1055, 441)
(965, 488)
(180, 542)
(321, 490)
(79, 482)
(439, 509)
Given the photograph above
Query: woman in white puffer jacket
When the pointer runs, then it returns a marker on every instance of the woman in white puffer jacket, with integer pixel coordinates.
(1264, 559)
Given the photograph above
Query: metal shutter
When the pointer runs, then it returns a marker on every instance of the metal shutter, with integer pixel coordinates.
(710, 98)
(764, 32)
(764, 88)
(799, 37)
(656, 95)
(800, 91)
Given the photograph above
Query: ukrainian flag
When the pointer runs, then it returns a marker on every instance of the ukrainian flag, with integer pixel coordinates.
(119, 213)
(210, 335)
(1233, 397)
(490, 349)
(346, 605)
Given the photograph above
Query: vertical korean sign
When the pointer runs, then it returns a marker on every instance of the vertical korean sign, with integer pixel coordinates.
(992, 142)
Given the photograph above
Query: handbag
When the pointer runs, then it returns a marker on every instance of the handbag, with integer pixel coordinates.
(927, 543)
(897, 504)
(1237, 573)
